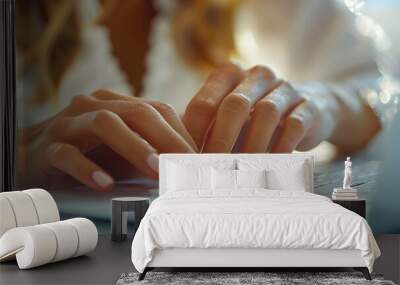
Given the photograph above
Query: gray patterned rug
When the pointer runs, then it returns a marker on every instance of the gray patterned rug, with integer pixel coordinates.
(273, 278)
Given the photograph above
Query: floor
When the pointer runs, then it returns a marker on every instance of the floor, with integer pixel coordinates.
(110, 260)
(389, 262)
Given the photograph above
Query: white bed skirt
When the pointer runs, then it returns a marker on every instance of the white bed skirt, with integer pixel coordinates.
(225, 257)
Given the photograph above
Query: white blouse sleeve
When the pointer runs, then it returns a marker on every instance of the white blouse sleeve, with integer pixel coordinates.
(302, 40)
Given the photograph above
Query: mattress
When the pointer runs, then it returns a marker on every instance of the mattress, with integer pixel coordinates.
(251, 219)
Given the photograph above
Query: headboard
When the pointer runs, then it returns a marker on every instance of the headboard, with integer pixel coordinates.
(213, 158)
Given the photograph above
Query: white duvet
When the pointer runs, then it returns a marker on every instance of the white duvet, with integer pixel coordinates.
(250, 219)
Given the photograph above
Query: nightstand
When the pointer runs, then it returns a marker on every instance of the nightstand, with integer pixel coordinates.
(357, 206)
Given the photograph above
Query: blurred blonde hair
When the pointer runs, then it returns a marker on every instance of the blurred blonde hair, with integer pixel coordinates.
(203, 31)
(49, 37)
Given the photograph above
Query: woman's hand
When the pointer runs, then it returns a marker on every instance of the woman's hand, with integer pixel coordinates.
(135, 129)
(277, 116)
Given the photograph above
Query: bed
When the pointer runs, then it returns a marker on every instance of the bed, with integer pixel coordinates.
(247, 211)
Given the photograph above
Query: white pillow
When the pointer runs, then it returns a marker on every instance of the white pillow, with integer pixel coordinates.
(251, 178)
(282, 174)
(223, 179)
(181, 177)
(291, 181)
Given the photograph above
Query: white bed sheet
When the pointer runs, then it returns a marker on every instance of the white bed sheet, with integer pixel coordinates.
(251, 218)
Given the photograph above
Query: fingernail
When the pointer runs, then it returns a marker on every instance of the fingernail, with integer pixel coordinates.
(102, 179)
(152, 161)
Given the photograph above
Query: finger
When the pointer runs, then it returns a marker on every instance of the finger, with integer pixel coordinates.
(144, 119)
(149, 123)
(201, 110)
(68, 159)
(235, 109)
(172, 118)
(112, 131)
(104, 94)
(295, 128)
(266, 116)
(81, 104)
(168, 113)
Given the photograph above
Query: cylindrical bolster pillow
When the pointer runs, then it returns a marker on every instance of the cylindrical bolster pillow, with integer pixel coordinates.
(23, 208)
(41, 244)
(26, 208)
(33, 246)
(7, 218)
(45, 205)
(87, 235)
(67, 239)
